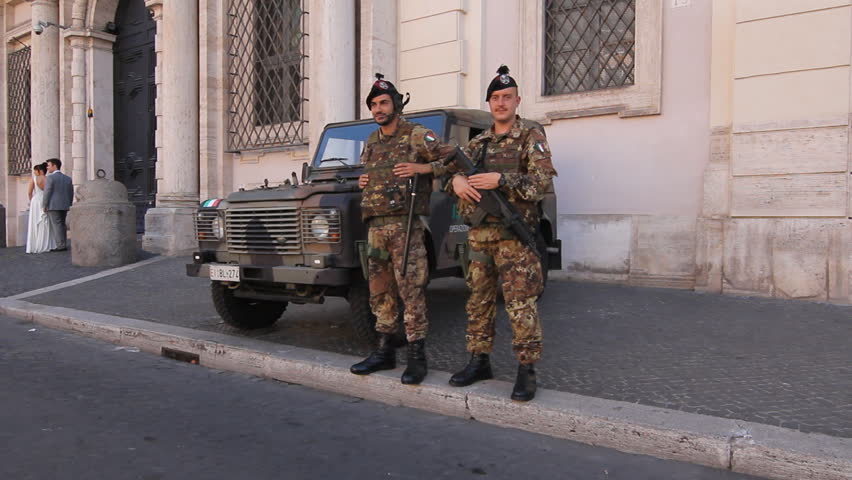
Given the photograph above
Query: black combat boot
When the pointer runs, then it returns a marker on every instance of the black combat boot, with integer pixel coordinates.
(479, 368)
(524, 390)
(384, 358)
(416, 369)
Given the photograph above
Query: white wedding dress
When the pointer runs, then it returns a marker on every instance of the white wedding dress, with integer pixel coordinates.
(38, 233)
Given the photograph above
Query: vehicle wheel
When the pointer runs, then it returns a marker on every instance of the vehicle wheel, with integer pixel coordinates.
(360, 312)
(244, 313)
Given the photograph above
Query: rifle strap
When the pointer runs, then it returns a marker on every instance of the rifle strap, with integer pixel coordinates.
(480, 162)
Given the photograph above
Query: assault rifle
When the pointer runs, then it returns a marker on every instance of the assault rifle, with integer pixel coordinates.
(495, 203)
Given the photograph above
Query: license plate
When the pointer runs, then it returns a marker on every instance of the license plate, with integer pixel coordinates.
(225, 273)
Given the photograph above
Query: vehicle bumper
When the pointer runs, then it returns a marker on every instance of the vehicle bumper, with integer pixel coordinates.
(298, 275)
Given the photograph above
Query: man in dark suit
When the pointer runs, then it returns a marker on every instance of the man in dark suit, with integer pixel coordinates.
(58, 195)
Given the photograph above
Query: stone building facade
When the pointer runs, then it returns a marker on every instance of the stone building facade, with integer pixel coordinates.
(700, 144)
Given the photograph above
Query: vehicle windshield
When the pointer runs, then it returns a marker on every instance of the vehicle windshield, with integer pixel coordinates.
(341, 146)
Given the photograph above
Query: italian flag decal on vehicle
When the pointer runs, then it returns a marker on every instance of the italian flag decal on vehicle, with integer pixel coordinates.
(212, 203)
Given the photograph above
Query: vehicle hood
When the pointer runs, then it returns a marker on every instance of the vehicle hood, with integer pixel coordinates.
(289, 192)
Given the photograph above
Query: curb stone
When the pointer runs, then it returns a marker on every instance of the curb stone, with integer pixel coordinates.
(743, 447)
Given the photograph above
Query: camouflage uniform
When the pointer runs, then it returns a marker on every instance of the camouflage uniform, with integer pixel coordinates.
(384, 207)
(523, 156)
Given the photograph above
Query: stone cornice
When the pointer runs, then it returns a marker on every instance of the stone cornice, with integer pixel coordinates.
(90, 38)
(20, 31)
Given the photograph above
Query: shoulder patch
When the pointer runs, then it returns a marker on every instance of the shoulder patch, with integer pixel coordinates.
(429, 137)
(540, 147)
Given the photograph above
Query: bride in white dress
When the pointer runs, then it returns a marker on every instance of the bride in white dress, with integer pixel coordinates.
(38, 234)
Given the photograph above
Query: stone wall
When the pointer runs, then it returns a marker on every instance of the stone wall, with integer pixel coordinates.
(776, 198)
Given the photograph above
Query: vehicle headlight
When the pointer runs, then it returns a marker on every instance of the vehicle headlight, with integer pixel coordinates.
(209, 225)
(219, 228)
(320, 227)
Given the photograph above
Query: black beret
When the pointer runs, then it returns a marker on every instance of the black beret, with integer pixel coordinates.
(501, 81)
(382, 87)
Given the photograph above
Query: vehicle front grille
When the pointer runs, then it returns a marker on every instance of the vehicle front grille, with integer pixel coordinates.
(263, 230)
(204, 224)
(330, 217)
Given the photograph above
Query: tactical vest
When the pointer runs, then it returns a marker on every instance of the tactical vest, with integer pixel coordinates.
(385, 193)
(505, 156)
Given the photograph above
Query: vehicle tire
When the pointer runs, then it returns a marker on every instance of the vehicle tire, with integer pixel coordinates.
(244, 313)
(363, 320)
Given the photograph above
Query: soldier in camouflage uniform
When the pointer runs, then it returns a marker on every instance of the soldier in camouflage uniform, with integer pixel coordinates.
(517, 159)
(397, 155)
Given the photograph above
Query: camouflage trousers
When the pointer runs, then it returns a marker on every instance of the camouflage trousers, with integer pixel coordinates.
(387, 247)
(520, 270)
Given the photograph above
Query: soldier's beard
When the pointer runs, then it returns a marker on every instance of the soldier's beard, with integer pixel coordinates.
(388, 119)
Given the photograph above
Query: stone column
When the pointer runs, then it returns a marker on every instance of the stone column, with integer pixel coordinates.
(331, 65)
(169, 227)
(78, 108)
(91, 88)
(44, 68)
(100, 127)
(378, 46)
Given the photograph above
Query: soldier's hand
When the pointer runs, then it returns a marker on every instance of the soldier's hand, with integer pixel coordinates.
(407, 170)
(363, 180)
(464, 190)
(485, 181)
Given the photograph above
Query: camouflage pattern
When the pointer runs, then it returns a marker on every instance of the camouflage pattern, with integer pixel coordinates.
(523, 157)
(387, 194)
(520, 271)
(386, 281)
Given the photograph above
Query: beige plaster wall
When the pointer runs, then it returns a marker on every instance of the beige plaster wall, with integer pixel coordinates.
(629, 189)
(439, 54)
(18, 12)
(649, 165)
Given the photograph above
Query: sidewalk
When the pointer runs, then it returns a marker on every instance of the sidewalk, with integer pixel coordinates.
(780, 363)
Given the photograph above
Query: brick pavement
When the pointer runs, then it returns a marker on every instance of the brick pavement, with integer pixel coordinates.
(22, 272)
(782, 363)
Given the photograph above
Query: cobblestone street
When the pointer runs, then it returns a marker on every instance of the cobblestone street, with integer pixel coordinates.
(781, 363)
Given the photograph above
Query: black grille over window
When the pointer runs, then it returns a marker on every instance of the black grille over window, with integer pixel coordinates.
(267, 59)
(589, 45)
(19, 112)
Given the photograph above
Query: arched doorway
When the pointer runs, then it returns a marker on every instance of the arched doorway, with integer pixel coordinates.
(135, 92)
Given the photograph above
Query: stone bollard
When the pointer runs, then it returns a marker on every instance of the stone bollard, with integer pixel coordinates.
(103, 224)
(2, 226)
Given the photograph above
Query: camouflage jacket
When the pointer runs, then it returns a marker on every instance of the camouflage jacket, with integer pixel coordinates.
(387, 194)
(522, 155)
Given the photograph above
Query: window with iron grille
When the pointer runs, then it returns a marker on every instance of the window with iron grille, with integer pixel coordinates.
(18, 85)
(589, 45)
(266, 68)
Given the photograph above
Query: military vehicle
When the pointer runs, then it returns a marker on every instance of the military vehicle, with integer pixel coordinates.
(302, 241)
